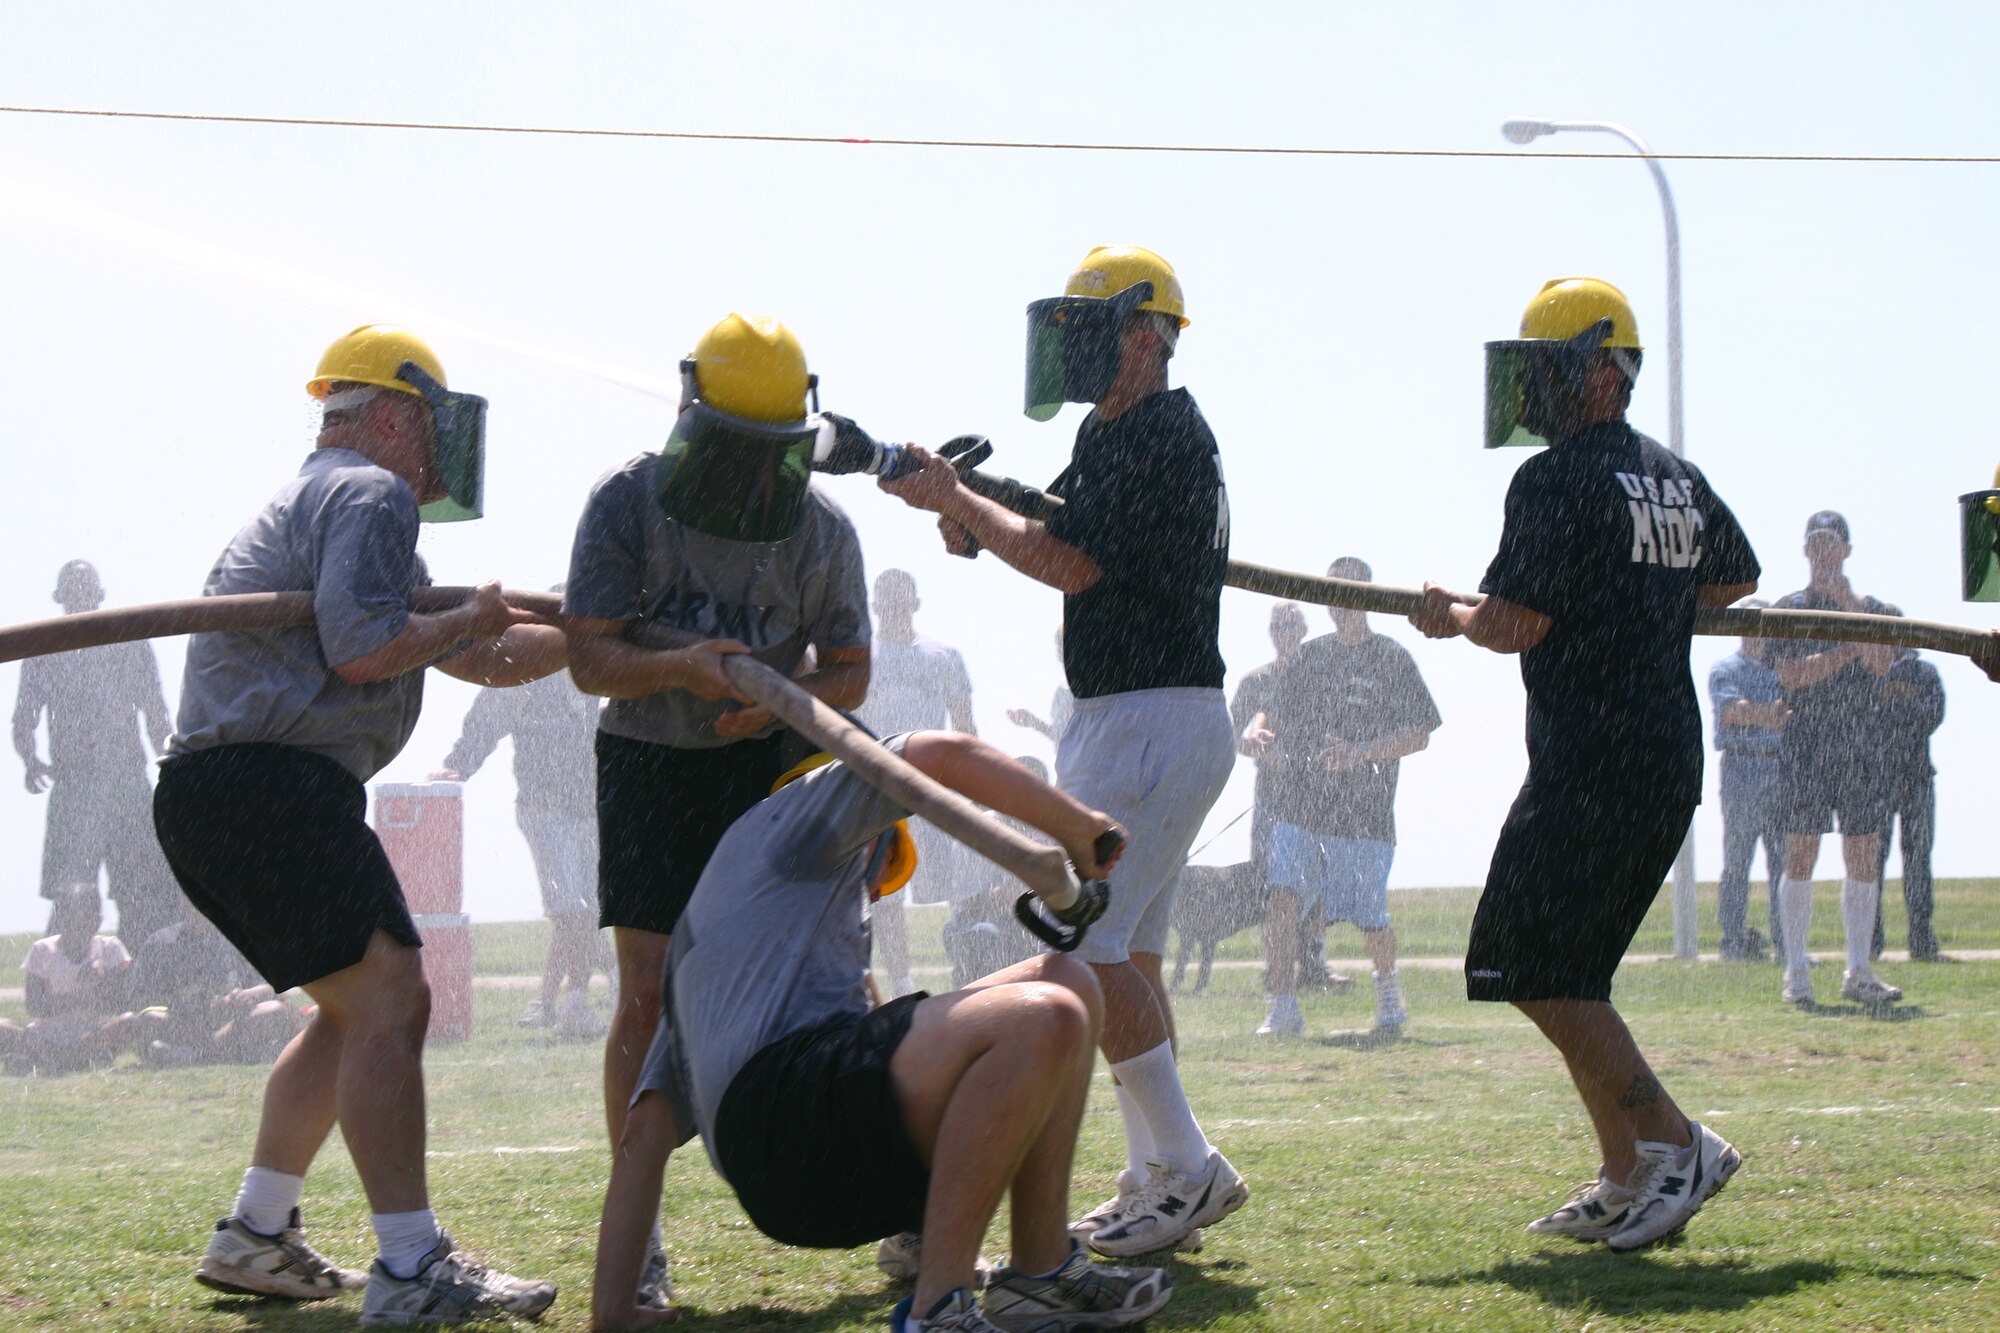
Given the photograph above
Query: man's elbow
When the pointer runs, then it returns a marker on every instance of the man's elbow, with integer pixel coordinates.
(361, 671)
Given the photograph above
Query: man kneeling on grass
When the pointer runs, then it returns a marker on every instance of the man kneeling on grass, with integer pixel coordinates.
(837, 1124)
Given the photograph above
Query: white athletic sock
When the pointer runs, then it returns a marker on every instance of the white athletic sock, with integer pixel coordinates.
(404, 1239)
(1155, 1084)
(266, 1199)
(1138, 1134)
(1857, 911)
(1795, 903)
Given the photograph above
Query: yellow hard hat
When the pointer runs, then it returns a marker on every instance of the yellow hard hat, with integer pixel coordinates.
(752, 366)
(1565, 307)
(902, 862)
(1110, 269)
(1993, 501)
(372, 354)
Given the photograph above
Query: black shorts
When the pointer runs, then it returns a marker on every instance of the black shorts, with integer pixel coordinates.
(1823, 776)
(272, 844)
(1572, 877)
(811, 1137)
(660, 812)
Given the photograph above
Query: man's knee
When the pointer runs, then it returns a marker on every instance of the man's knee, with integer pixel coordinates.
(1080, 980)
(1056, 1019)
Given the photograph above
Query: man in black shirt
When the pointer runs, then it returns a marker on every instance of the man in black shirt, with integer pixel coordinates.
(1831, 767)
(1609, 545)
(1344, 710)
(1909, 706)
(1138, 549)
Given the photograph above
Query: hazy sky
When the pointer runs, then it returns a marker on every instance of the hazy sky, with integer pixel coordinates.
(169, 287)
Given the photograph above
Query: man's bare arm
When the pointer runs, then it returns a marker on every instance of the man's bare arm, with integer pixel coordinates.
(984, 774)
(524, 653)
(604, 663)
(1022, 543)
(425, 638)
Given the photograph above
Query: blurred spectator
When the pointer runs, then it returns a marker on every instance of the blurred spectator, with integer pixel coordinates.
(982, 936)
(1345, 709)
(196, 1000)
(1909, 707)
(916, 684)
(1832, 768)
(1060, 709)
(100, 802)
(1750, 717)
(554, 728)
(75, 983)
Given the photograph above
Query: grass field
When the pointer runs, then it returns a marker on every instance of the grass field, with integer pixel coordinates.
(1391, 1182)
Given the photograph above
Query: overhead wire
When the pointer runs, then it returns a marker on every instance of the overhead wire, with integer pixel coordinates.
(1247, 150)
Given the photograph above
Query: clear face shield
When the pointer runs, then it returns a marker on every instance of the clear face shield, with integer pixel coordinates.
(458, 447)
(1073, 347)
(1979, 545)
(735, 478)
(1530, 383)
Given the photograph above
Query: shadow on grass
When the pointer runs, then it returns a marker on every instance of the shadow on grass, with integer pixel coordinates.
(1639, 1285)
(280, 1316)
(1377, 1039)
(1878, 1013)
(1201, 1292)
(860, 1307)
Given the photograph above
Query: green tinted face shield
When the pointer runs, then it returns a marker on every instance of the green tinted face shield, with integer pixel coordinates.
(458, 447)
(735, 478)
(1979, 545)
(1073, 347)
(1526, 379)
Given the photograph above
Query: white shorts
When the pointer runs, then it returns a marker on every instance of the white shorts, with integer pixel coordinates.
(565, 850)
(1155, 761)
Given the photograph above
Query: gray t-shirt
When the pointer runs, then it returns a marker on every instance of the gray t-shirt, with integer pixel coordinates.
(344, 530)
(775, 939)
(912, 686)
(681, 587)
(92, 697)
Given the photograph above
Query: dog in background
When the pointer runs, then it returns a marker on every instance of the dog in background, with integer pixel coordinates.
(1215, 902)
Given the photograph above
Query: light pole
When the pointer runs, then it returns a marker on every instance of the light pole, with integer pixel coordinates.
(1527, 131)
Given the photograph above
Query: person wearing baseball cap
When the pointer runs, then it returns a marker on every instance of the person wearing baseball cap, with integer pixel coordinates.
(1830, 767)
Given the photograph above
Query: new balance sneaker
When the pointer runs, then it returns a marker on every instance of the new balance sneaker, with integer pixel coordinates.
(575, 1017)
(1168, 1206)
(1798, 988)
(1284, 1018)
(1671, 1185)
(450, 1288)
(1593, 1212)
(956, 1313)
(1107, 1212)
(899, 1256)
(1866, 988)
(536, 1015)
(656, 1282)
(243, 1262)
(1078, 1294)
(1391, 1014)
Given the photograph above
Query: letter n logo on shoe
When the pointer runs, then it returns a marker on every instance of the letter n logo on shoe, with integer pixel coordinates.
(1673, 1185)
(1172, 1205)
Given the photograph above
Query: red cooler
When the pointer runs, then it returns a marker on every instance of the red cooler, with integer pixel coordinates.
(421, 825)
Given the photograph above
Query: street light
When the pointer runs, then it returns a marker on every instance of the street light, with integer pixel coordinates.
(1525, 132)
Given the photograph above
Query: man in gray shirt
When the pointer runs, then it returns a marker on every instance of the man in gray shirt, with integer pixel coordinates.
(915, 683)
(100, 802)
(260, 811)
(714, 545)
(836, 1123)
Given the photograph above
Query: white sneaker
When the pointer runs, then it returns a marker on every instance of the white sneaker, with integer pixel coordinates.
(536, 1015)
(1169, 1206)
(1284, 1018)
(1593, 1212)
(577, 1019)
(1798, 988)
(1107, 1212)
(899, 1256)
(1865, 988)
(450, 1288)
(243, 1262)
(956, 1313)
(1671, 1185)
(1079, 1294)
(1391, 1014)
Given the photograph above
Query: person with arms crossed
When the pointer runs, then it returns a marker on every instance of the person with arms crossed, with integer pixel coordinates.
(1750, 718)
(1138, 550)
(1832, 768)
(260, 810)
(835, 1121)
(714, 545)
(1909, 707)
(915, 684)
(1344, 711)
(1610, 544)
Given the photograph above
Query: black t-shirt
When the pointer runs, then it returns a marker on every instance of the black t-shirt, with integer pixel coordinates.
(1143, 496)
(1609, 535)
(1838, 709)
(1360, 693)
